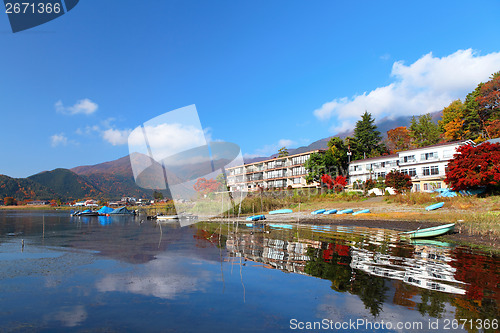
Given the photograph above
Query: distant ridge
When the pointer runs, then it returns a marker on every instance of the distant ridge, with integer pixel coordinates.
(113, 179)
(383, 125)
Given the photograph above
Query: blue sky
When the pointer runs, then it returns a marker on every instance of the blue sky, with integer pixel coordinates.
(261, 73)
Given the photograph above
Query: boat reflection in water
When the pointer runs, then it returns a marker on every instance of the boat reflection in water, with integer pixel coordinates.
(373, 263)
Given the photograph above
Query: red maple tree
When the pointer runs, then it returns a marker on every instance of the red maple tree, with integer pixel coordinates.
(327, 180)
(399, 181)
(205, 186)
(338, 183)
(475, 167)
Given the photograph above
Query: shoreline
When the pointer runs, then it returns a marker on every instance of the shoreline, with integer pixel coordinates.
(476, 226)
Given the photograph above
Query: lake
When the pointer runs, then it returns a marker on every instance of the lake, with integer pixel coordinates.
(121, 274)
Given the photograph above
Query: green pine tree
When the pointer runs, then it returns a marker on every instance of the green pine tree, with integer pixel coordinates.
(424, 132)
(367, 138)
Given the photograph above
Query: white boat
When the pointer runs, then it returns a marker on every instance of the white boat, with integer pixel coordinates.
(167, 217)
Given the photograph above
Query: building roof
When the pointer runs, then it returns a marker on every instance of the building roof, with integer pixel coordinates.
(451, 143)
(413, 149)
(384, 157)
(492, 141)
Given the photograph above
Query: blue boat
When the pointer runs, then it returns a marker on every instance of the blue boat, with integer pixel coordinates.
(256, 218)
(280, 211)
(319, 211)
(435, 206)
(330, 211)
(364, 211)
(345, 211)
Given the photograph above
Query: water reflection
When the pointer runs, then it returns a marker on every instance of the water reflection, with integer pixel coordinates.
(428, 276)
(118, 274)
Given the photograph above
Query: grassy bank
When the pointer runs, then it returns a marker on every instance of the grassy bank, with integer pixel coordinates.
(477, 216)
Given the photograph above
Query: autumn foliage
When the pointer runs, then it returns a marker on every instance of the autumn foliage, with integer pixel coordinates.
(205, 186)
(338, 183)
(475, 167)
(399, 139)
(399, 181)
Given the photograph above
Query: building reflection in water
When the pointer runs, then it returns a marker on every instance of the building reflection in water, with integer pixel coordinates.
(372, 263)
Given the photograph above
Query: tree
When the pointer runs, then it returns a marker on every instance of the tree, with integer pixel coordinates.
(424, 132)
(339, 152)
(319, 164)
(475, 167)
(398, 139)
(472, 123)
(9, 201)
(367, 137)
(327, 180)
(205, 186)
(282, 152)
(488, 101)
(158, 195)
(452, 121)
(339, 183)
(400, 182)
(221, 179)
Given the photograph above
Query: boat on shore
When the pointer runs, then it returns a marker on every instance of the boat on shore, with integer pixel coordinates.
(364, 211)
(435, 206)
(345, 211)
(430, 232)
(280, 211)
(319, 211)
(256, 218)
(330, 211)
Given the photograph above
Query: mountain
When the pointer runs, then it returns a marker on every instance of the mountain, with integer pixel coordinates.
(121, 167)
(23, 188)
(383, 126)
(66, 183)
(115, 179)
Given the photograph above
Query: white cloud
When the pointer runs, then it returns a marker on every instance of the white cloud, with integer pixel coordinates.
(427, 85)
(115, 136)
(273, 148)
(166, 139)
(84, 106)
(58, 140)
(286, 143)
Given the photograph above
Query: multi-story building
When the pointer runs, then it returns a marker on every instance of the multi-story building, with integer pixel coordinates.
(426, 165)
(279, 172)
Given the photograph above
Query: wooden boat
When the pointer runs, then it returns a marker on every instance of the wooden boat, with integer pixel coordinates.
(345, 211)
(280, 211)
(256, 218)
(435, 206)
(364, 211)
(319, 211)
(330, 211)
(430, 232)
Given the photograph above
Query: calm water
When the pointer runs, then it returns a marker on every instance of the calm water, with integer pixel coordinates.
(118, 274)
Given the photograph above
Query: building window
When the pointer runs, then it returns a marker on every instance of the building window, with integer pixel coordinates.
(407, 159)
(429, 156)
(417, 187)
(412, 172)
(404, 171)
(300, 159)
(426, 172)
(296, 180)
(434, 170)
(297, 171)
(426, 187)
